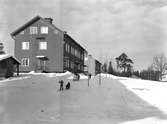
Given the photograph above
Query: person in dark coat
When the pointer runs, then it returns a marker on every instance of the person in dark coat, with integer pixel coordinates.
(90, 76)
(61, 84)
(68, 86)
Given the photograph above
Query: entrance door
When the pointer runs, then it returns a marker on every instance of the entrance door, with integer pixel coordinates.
(41, 65)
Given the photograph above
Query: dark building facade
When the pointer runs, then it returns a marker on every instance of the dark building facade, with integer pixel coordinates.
(41, 46)
(73, 55)
(97, 67)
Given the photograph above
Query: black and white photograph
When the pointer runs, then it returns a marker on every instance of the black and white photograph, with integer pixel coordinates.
(83, 61)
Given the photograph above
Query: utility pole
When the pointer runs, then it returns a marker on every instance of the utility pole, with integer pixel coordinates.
(88, 80)
(100, 78)
(89, 77)
(100, 75)
(88, 74)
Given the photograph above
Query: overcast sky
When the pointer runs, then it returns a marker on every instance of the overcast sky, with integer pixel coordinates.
(106, 28)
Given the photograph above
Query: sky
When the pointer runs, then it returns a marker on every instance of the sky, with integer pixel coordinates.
(106, 28)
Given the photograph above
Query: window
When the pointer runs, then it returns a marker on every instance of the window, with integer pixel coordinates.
(79, 66)
(42, 45)
(67, 48)
(72, 51)
(67, 63)
(25, 45)
(82, 67)
(76, 52)
(79, 54)
(25, 62)
(33, 30)
(82, 57)
(72, 65)
(44, 30)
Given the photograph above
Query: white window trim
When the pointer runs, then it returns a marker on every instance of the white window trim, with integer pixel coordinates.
(24, 63)
(67, 48)
(33, 30)
(43, 47)
(44, 30)
(25, 45)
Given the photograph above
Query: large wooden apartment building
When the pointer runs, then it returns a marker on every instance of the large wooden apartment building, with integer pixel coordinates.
(41, 46)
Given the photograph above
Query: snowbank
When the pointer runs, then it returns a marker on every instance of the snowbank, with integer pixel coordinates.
(82, 76)
(150, 91)
(111, 76)
(58, 74)
(47, 74)
(153, 92)
(13, 79)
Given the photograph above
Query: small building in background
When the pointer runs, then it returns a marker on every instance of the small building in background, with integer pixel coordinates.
(97, 67)
(93, 66)
(90, 65)
(8, 65)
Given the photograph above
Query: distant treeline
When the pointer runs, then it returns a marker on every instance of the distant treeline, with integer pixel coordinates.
(125, 68)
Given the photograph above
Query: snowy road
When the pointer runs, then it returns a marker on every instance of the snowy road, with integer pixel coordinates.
(36, 100)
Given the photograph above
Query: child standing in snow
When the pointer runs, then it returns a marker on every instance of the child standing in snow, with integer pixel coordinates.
(61, 84)
(68, 86)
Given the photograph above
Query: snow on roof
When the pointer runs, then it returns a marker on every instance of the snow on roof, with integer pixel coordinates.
(5, 56)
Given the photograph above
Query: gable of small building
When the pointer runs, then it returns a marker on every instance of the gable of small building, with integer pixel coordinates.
(5, 61)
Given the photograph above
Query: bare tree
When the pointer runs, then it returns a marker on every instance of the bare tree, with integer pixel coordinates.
(160, 64)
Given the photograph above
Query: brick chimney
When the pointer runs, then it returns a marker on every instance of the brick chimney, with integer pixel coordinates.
(49, 20)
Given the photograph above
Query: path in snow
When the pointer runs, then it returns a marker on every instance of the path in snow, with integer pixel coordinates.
(36, 100)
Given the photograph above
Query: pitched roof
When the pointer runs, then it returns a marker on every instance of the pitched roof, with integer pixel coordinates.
(6, 56)
(33, 20)
(66, 35)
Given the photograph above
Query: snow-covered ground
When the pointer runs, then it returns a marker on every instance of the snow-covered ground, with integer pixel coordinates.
(35, 99)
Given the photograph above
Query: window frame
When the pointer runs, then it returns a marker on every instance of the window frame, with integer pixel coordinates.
(25, 45)
(25, 62)
(67, 47)
(33, 30)
(41, 47)
(44, 29)
(72, 65)
(82, 56)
